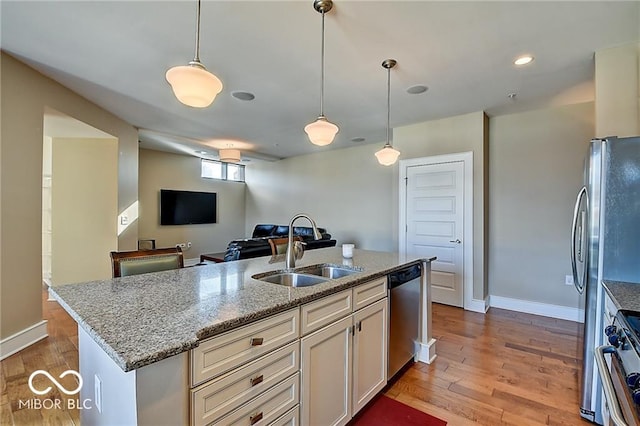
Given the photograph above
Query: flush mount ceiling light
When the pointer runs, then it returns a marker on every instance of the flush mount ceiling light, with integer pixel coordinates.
(321, 132)
(523, 60)
(192, 84)
(229, 155)
(388, 154)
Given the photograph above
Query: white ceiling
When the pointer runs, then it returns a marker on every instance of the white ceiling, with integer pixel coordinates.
(115, 53)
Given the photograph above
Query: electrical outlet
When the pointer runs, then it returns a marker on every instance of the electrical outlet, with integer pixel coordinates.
(97, 394)
(568, 279)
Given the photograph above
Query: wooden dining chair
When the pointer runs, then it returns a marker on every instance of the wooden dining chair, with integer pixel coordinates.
(279, 245)
(136, 262)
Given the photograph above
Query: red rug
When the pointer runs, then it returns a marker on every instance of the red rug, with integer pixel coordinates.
(384, 411)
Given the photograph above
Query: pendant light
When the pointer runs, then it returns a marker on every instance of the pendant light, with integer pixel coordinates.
(229, 155)
(321, 132)
(388, 155)
(192, 84)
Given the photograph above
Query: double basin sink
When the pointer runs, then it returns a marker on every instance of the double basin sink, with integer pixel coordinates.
(307, 276)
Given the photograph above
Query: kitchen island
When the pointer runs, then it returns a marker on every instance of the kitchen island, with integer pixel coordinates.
(138, 334)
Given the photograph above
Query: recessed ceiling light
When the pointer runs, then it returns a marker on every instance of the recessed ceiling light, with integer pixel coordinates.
(357, 139)
(523, 60)
(512, 95)
(243, 96)
(417, 89)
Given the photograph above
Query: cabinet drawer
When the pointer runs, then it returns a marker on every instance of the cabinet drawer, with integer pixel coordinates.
(266, 407)
(226, 393)
(230, 350)
(317, 314)
(291, 418)
(367, 293)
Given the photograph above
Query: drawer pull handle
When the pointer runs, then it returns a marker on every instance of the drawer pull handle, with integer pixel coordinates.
(255, 418)
(257, 380)
(256, 341)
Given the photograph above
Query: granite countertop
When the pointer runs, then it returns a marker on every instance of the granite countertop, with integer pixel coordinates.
(141, 319)
(625, 295)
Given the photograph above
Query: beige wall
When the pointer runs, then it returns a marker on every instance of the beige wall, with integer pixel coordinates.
(345, 191)
(25, 94)
(355, 198)
(161, 170)
(536, 170)
(462, 133)
(84, 208)
(617, 81)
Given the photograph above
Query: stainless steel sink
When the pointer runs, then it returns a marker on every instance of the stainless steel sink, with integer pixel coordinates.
(329, 271)
(293, 279)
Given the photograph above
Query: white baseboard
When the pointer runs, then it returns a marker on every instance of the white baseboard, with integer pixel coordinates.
(477, 305)
(191, 262)
(537, 308)
(426, 352)
(22, 339)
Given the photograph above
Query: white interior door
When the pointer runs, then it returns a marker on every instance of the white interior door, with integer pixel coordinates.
(434, 219)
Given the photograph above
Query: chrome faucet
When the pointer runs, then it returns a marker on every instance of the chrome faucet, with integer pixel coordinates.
(293, 249)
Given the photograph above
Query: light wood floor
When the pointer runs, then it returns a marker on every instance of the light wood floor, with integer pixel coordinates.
(502, 368)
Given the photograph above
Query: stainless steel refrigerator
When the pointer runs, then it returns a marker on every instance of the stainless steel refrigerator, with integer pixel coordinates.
(605, 244)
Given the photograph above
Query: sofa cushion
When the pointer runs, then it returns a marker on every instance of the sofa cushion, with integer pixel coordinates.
(258, 245)
(306, 232)
(270, 231)
(261, 231)
(281, 231)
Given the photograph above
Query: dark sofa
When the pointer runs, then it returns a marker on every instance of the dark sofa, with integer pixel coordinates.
(258, 244)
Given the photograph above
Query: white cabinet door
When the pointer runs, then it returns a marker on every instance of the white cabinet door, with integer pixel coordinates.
(326, 365)
(369, 353)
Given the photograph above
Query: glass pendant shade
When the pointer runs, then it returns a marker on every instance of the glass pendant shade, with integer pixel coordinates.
(387, 155)
(229, 155)
(193, 85)
(321, 132)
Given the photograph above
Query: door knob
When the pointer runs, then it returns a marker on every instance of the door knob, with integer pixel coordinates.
(455, 241)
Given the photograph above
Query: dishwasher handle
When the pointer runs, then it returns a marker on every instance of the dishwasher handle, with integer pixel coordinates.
(405, 275)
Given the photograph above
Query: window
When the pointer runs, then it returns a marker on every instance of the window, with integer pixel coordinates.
(235, 172)
(223, 171)
(211, 169)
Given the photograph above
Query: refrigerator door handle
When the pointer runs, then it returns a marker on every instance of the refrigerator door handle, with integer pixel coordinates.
(574, 267)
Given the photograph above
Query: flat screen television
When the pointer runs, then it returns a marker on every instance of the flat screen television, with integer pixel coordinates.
(187, 207)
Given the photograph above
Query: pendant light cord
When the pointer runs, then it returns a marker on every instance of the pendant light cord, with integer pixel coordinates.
(388, 102)
(197, 55)
(322, 71)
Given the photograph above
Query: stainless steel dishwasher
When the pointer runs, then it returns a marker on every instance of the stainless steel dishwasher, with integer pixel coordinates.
(404, 316)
